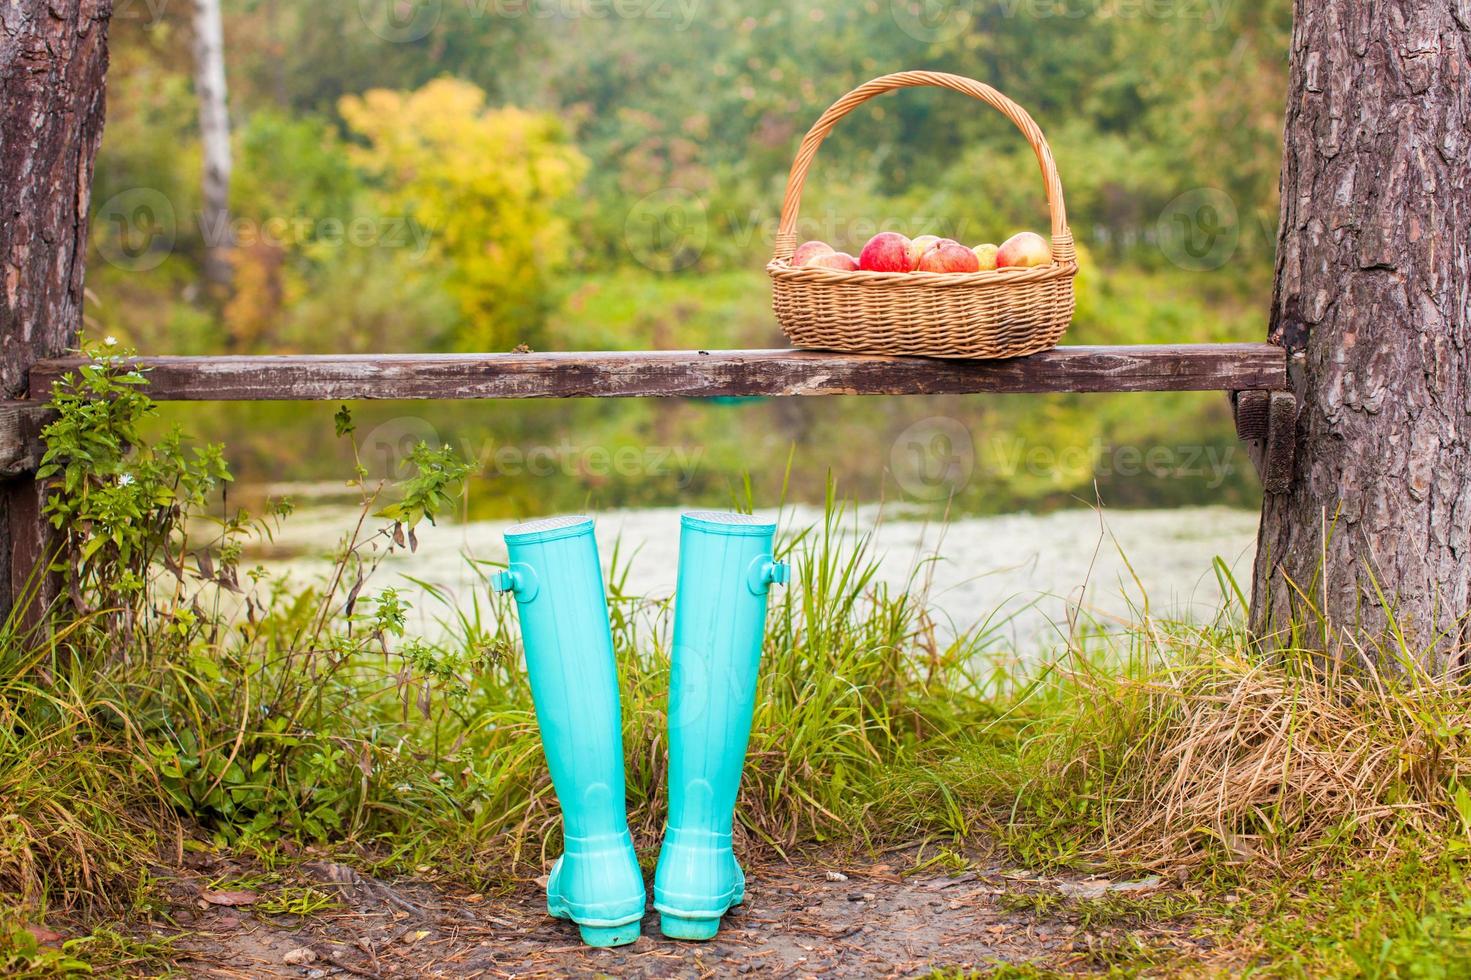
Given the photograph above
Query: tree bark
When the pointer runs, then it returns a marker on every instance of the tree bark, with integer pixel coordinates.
(1373, 539)
(214, 130)
(53, 66)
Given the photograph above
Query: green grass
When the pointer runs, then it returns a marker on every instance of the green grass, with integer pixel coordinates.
(867, 731)
(1407, 918)
(297, 900)
(1111, 910)
(1312, 821)
(80, 803)
(860, 726)
(1315, 818)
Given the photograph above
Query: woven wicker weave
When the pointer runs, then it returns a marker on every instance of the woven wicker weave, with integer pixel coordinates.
(1005, 313)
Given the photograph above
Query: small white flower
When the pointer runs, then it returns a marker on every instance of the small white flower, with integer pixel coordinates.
(111, 341)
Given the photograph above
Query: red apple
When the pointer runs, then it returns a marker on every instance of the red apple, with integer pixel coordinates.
(808, 251)
(987, 255)
(841, 261)
(1023, 250)
(886, 252)
(950, 258)
(919, 246)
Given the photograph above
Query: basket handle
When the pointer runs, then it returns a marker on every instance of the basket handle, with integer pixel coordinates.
(1063, 250)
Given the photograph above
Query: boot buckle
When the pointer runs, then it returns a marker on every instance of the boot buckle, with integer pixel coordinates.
(518, 578)
(764, 573)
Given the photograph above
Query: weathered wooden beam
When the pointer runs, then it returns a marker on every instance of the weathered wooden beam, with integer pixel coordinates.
(696, 374)
(25, 537)
(20, 436)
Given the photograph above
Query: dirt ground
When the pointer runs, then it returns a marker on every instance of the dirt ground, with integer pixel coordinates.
(798, 921)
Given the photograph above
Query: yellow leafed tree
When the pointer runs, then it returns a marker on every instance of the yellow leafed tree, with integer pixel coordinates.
(484, 185)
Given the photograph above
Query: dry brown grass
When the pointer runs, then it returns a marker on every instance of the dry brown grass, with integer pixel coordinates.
(1205, 749)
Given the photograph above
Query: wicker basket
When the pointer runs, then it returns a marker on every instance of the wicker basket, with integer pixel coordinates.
(1004, 313)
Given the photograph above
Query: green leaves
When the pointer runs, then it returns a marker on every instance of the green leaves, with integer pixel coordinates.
(427, 490)
(276, 722)
(119, 501)
(23, 955)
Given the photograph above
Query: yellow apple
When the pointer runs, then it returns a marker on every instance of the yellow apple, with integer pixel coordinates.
(1023, 250)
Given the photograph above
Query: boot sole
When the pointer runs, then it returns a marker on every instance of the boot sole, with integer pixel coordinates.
(607, 936)
(691, 930)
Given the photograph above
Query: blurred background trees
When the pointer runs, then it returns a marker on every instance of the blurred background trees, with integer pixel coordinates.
(476, 191)
(468, 175)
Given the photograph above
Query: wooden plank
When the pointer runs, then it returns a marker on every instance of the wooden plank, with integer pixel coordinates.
(1275, 454)
(697, 374)
(1252, 411)
(1267, 422)
(31, 583)
(20, 436)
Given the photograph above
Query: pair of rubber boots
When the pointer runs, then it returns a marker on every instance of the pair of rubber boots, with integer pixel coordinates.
(726, 569)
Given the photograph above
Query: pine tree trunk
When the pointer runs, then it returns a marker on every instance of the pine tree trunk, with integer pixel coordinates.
(53, 65)
(1373, 299)
(214, 130)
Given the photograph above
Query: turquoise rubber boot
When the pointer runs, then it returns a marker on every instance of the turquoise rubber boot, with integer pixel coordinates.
(725, 572)
(558, 584)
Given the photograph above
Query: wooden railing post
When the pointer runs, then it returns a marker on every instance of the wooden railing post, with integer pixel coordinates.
(53, 66)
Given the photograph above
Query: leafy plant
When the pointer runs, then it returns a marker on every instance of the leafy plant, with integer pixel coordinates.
(243, 694)
(23, 956)
(123, 505)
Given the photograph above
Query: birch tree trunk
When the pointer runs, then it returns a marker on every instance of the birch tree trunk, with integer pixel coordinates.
(214, 130)
(1372, 300)
(53, 65)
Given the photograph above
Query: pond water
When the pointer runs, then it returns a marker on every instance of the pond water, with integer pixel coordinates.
(1026, 574)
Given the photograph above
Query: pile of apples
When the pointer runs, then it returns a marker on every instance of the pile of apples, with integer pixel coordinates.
(893, 252)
